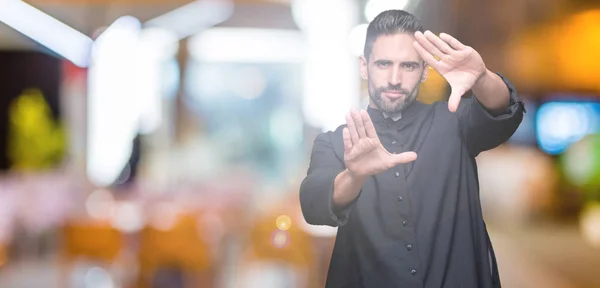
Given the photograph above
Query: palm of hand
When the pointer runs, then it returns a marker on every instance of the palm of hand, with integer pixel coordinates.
(461, 69)
(461, 65)
(364, 155)
(368, 156)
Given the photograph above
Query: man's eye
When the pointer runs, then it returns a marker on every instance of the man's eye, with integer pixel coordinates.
(383, 64)
(410, 67)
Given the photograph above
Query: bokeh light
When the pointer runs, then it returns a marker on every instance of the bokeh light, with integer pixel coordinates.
(280, 239)
(283, 222)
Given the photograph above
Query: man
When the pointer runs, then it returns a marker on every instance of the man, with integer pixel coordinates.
(408, 221)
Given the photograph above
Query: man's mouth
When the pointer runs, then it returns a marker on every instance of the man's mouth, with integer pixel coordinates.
(393, 94)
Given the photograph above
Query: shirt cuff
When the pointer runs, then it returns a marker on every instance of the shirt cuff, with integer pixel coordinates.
(339, 215)
(514, 105)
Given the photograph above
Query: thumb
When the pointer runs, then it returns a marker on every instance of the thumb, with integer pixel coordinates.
(403, 158)
(454, 99)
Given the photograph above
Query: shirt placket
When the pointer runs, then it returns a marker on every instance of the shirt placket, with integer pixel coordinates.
(408, 228)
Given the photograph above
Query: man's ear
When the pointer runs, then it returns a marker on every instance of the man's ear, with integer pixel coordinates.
(425, 73)
(364, 68)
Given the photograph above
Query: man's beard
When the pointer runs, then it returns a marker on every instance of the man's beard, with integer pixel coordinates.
(393, 106)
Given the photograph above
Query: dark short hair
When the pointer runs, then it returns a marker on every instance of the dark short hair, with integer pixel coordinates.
(390, 22)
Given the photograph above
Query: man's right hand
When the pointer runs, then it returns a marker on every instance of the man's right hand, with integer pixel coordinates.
(364, 155)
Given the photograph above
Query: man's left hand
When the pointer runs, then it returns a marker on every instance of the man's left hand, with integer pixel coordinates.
(461, 65)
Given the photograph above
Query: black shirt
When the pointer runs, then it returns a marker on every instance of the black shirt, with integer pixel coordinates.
(418, 224)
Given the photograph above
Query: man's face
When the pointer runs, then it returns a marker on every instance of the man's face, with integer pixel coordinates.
(394, 71)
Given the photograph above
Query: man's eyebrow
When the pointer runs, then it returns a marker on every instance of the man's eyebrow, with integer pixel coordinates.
(412, 63)
(382, 61)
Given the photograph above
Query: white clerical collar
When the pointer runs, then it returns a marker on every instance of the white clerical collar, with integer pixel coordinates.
(394, 117)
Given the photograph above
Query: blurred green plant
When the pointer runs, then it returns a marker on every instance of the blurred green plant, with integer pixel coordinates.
(35, 140)
(580, 165)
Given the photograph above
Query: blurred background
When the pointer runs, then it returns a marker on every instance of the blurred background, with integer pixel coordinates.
(161, 143)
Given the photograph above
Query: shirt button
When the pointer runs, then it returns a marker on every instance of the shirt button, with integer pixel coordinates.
(405, 223)
(413, 272)
(397, 174)
(408, 247)
(400, 198)
(393, 141)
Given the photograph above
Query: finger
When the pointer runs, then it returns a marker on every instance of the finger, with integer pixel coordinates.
(352, 129)
(426, 56)
(369, 127)
(454, 43)
(454, 100)
(360, 126)
(347, 140)
(428, 45)
(404, 158)
(439, 43)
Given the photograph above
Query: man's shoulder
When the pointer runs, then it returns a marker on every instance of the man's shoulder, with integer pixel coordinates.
(332, 132)
(438, 115)
(440, 107)
(332, 136)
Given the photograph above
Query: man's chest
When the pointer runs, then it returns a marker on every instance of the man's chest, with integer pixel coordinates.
(429, 137)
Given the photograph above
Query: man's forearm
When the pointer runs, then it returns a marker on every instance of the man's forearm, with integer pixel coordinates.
(346, 188)
(492, 93)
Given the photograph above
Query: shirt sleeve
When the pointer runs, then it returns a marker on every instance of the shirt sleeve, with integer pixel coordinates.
(482, 131)
(316, 190)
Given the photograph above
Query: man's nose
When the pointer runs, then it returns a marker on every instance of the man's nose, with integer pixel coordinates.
(395, 76)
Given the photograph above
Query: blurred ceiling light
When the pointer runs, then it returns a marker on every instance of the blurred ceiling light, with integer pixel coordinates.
(156, 46)
(124, 28)
(247, 45)
(316, 15)
(196, 16)
(159, 43)
(374, 7)
(113, 117)
(357, 38)
(46, 30)
(331, 79)
(124, 93)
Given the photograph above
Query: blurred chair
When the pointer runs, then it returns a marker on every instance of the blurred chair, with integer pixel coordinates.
(95, 241)
(279, 253)
(179, 249)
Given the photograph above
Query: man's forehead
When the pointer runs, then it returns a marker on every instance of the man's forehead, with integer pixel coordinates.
(395, 47)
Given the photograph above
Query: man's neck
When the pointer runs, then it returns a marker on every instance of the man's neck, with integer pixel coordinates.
(394, 116)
